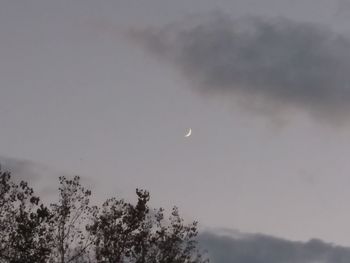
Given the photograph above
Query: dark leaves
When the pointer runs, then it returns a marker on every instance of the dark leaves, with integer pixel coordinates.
(71, 230)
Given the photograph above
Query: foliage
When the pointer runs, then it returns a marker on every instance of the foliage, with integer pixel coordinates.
(26, 225)
(128, 233)
(71, 230)
(70, 215)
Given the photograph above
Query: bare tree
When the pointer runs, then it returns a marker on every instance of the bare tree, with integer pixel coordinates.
(71, 215)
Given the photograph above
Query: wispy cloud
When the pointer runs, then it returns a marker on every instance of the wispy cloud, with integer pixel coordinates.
(275, 63)
(22, 169)
(42, 178)
(257, 248)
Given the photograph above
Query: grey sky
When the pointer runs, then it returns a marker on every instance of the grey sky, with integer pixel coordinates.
(78, 96)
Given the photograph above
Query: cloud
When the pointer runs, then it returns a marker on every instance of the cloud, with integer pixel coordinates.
(22, 169)
(42, 178)
(257, 248)
(343, 8)
(274, 63)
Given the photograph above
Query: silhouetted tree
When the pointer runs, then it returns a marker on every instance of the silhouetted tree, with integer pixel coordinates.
(117, 226)
(7, 199)
(71, 215)
(132, 233)
(73, 231)
(174, 241)
(26, 225)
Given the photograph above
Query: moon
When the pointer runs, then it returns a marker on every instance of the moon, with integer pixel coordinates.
(188, 134)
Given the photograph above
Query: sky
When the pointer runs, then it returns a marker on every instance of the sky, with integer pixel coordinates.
(108, 89)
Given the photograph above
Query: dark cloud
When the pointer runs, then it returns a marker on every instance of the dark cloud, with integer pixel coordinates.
(275, 62)
(41, 177)
(23, 169)
(256, 248)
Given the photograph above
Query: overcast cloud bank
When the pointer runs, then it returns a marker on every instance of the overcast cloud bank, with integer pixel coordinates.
(257, 248)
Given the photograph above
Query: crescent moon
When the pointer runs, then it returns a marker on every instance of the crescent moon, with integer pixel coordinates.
(189, 133)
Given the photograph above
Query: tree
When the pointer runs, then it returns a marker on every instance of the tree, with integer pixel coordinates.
(73, 231)
(134, 233)
(174, 242)
(71, 215)
(7, 198)
(26, 224)
(117, 227)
